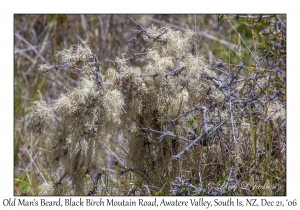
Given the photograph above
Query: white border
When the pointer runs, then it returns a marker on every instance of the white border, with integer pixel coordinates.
(142, 7)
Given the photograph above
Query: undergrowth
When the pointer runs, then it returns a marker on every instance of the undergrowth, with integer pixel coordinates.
(165, 120)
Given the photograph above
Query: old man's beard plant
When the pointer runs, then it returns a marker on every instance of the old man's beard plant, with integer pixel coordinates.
(152, 120)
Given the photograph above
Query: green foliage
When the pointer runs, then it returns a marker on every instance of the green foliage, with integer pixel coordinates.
(23, 186)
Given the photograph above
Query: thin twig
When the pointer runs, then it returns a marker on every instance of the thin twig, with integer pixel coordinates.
(177, 157)
(58, 182)
(174, 72)
(165, 134)
(245, 45)
(32, 47)
(32, 158)
(65, 66)
(133, 55)
(231, 117)
(267, 118)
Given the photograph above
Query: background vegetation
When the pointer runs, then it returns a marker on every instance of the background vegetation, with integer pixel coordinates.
(224, 40)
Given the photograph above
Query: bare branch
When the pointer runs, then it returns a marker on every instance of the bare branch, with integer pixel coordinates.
(267, 118)
(185, 150)
(65, 67)
(174, 72)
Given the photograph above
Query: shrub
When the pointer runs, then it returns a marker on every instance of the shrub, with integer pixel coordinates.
(171, 119)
